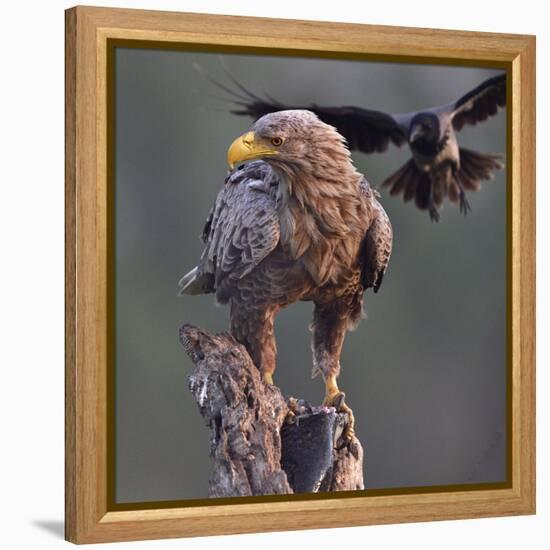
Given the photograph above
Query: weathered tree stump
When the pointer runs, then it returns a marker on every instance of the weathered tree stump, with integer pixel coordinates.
(262, 443)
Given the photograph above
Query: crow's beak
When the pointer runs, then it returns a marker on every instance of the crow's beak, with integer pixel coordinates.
(416, 134)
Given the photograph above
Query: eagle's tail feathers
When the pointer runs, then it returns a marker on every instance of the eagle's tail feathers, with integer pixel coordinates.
(195, 283)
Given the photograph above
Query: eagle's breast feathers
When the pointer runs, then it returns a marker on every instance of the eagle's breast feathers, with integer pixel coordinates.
(336, 232)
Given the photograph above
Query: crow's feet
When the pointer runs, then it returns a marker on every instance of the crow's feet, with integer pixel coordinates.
(464, 204)
(434, 213)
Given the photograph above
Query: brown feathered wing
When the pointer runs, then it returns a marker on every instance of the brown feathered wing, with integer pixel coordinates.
(241, 230)
(377, 244)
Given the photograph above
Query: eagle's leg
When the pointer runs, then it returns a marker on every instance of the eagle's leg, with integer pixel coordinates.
(253, 327)
(330, 323)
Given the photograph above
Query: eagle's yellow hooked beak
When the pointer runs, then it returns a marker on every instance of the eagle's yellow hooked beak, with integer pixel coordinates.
(248, 147)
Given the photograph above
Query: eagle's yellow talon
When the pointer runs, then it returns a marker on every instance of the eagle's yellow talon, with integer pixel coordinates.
(336, 398)
(349, 431)
(268, 378)
(290, 417)
(293, 412)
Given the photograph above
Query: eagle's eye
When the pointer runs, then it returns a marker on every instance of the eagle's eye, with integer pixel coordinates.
(277, 141)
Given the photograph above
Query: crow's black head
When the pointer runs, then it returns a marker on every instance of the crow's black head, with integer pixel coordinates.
(424, 130)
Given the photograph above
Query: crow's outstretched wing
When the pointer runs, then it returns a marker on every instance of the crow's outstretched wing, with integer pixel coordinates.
(371, 131)
(365, 130)
(241, 230)
(480, 103)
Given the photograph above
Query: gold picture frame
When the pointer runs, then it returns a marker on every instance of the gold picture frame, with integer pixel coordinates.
(91, 36)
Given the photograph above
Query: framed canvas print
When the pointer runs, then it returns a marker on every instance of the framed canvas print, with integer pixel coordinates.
(253, 203)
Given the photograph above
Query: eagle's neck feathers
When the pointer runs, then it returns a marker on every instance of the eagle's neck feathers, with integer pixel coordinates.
(322, 216)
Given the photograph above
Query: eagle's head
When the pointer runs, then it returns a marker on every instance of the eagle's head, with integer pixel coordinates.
(317, 188)
(295, 139)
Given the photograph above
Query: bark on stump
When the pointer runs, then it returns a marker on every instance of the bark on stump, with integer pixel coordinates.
(256, 447)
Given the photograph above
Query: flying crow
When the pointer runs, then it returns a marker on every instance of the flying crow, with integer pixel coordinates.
(439, 167)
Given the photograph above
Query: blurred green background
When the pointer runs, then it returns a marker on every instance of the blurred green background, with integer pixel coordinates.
(425, 373)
